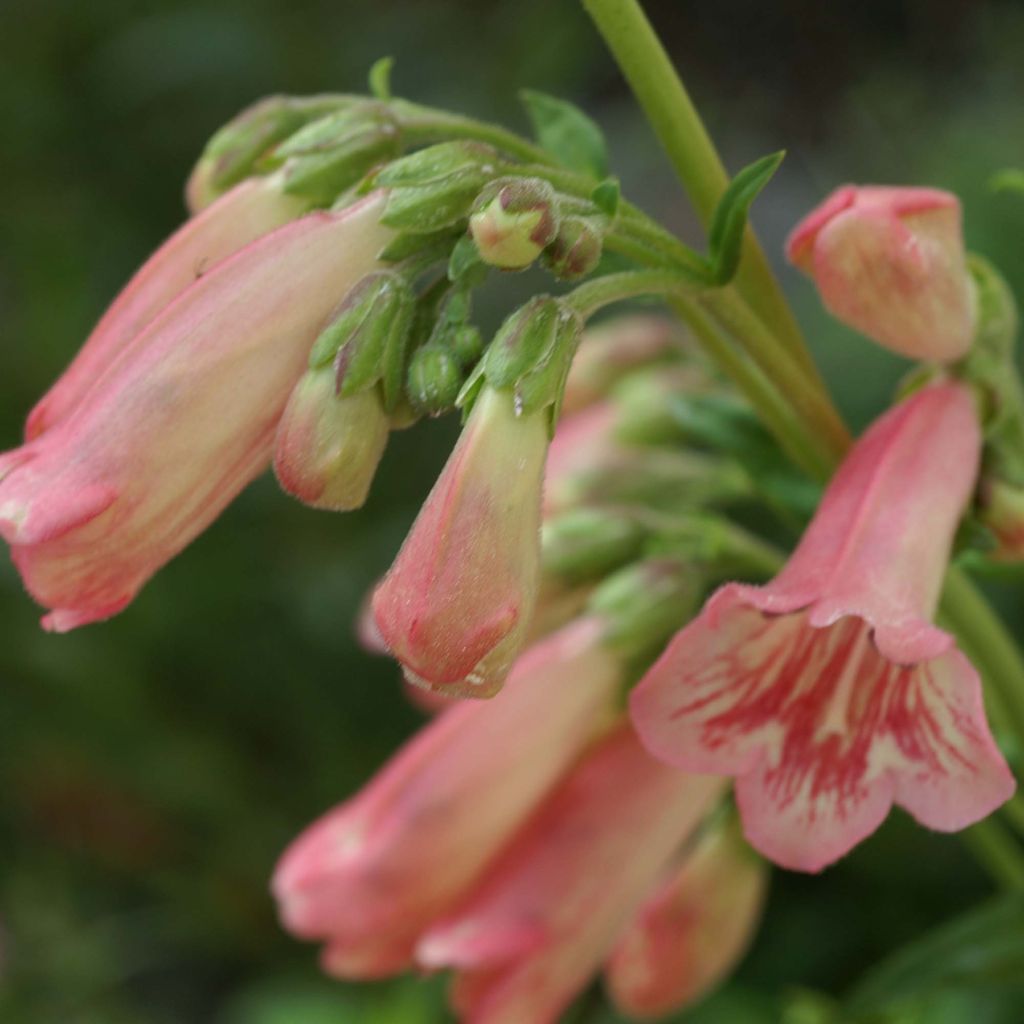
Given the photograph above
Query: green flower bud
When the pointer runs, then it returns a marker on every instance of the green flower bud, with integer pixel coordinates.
(467, 343)
(367, 338)
(434, 380)
(234, 151)
(644, 604)
(588, 543)
(576, 250)
(514, 221)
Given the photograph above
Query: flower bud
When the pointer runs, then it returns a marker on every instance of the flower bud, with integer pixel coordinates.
(435, 187)
(576, 249)
(514, 222)
(455, 606)
(366, 339)
(587, 543)
(434, 380)
(692, 931)
(328, 445)
(334, 152)
(1002, 511)
(890, 263)
(233, 152)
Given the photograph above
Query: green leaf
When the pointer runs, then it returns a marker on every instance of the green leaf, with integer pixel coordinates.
(465, 263)
(380, 78)
(725, 239)
(981, 950)
(567, 133)
(606, 196)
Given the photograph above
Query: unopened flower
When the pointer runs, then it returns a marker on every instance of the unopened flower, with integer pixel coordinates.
(890, 262)
(249, 210)
(372, 874)
(180, 422)
(514, 221)
(828, 693)
(328, 446)
(455, 606)
(692, 930)
(547, 912)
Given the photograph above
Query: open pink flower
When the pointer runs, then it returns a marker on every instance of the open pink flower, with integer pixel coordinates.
(372, 874)
(547, 912)
(180, 422)
(828, 693)
(455, 607)
(692, 930)
(890, 262)
(242, 215)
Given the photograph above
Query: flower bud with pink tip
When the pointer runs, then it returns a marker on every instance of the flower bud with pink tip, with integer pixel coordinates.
(890, 262)
(372, 874)
(692, 930)
(548, 910)
(251, 209)
(828, 693)
(180, 422)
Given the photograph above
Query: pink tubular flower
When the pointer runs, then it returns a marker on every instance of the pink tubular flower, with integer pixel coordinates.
(370, 875)
(455, 606)
(242, 215)
(828, 693)
(548, 910)
(181, 421)
(890, 262)
(692, 931)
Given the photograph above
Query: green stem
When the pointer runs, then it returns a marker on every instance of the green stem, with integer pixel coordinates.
(810, 401)
(599, 292)
(679, 128)
(997, 851)
(974, 620)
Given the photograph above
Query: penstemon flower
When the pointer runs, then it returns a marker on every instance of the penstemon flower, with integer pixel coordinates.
(828, 693)
(180, 422)
(890, 262)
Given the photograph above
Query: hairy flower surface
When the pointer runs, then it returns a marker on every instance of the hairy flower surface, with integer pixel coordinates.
(180, 422)
(828, 693)
(455, 606)
(372, 874)
(890, 262)
(249, 210)
(548, 911)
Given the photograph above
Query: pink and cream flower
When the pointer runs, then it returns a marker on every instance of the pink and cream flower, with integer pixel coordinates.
(828, 693)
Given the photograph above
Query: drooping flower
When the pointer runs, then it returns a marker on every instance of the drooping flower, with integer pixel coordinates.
(455, 606)
(180, 422)
(890, 262)
(372, 874)
(828, 693)
(548, 911)
(692, 930)
(251, 209)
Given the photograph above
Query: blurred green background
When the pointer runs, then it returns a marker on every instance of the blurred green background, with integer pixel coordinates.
(152, 768)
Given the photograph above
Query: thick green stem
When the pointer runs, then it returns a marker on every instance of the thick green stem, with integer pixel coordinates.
(665, 101)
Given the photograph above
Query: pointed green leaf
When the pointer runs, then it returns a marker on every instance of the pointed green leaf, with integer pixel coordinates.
(725, 239)
(606, 196)
(567, 133)
(380, 78)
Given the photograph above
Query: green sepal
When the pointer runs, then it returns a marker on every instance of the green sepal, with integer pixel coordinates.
(410, 244)
(465, 265)
(588, 543)
(434, 379)
(379, 78)
(568, 134)
(606, 197)
(725, 237)
(438, 163)
(429, 208)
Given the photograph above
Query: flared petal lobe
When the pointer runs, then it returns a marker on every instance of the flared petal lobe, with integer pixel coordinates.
(828, 693)
(372, 874)
(455, 606)
(181, 423)
(249, 210)
(547, 912)
(890, 262)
